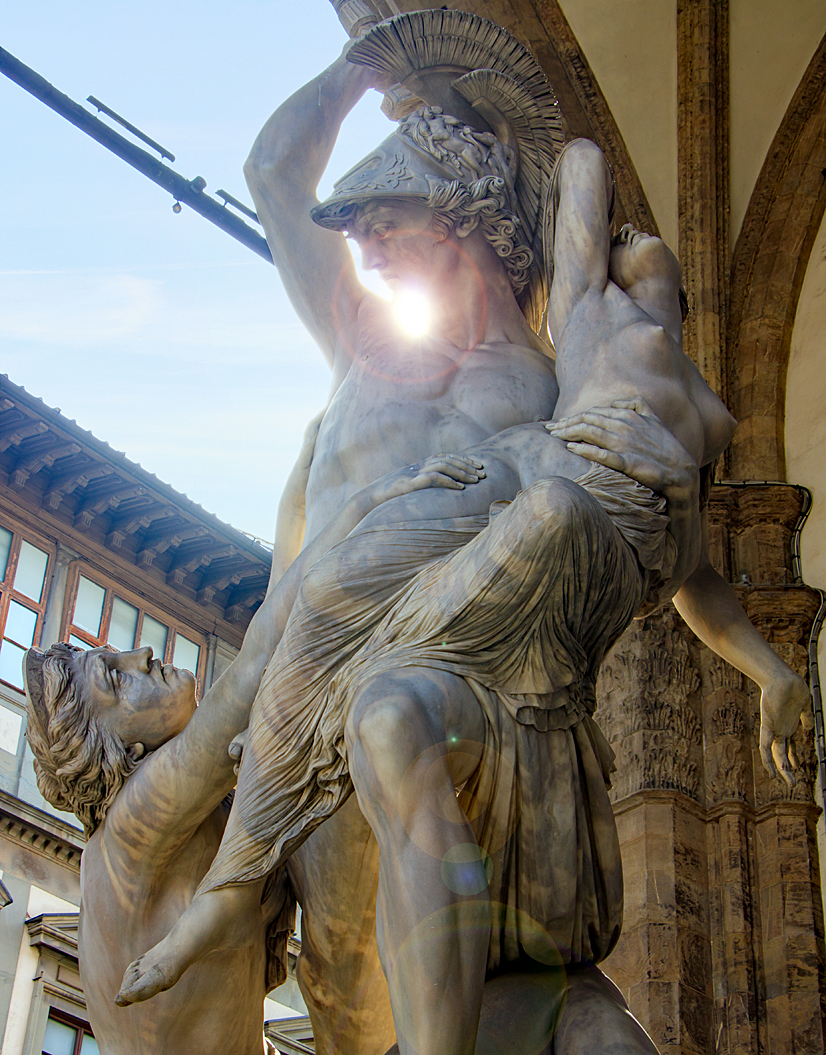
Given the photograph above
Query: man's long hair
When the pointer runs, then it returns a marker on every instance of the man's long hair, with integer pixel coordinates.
(79, 764)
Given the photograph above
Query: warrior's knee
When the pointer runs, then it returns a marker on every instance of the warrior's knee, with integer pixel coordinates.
(386, 717)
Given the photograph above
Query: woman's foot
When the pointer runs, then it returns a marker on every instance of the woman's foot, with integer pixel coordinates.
(220, 919)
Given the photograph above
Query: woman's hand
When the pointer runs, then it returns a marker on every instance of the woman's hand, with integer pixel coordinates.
(629, 437)
(784, 702)
(440, 470)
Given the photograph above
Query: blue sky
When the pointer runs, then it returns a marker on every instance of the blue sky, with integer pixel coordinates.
(156, 331)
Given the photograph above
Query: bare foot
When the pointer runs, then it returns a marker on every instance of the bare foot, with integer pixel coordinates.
(228, 918)
(146, 977)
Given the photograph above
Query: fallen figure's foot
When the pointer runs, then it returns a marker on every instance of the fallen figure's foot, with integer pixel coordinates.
(228, 918)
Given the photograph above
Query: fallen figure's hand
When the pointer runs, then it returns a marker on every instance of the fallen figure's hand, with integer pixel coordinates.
(236, 749)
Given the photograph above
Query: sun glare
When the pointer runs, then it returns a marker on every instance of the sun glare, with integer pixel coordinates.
(413, 312)
(410, 306)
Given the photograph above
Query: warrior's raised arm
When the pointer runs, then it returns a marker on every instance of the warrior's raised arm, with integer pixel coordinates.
(285, 165)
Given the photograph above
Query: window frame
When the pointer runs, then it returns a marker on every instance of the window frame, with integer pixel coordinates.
(9, 593)
(83, 1028)
(114, 589)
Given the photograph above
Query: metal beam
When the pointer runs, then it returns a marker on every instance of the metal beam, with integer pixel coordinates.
(189, 192)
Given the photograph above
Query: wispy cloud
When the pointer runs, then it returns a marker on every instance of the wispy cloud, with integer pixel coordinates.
(76, 310)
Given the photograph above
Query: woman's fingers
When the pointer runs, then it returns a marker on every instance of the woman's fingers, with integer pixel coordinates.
(780, 750)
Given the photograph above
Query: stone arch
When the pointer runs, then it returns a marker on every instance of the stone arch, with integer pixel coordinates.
(768, 267)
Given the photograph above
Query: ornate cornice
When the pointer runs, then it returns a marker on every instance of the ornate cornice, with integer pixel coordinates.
(727, 808)
(56, 931)
(70, 485)
(40, 833)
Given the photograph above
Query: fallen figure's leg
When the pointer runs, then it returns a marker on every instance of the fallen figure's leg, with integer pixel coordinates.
(229, 918)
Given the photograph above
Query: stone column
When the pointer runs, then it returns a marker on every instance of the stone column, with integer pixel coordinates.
(722, 948)
(56, 599)
(703, 179)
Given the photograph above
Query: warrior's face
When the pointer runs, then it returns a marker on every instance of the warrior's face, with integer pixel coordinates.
(398, 240)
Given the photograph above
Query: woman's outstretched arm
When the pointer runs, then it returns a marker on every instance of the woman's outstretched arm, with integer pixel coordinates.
(713, 611)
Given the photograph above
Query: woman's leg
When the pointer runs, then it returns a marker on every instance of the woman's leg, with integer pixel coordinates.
(220, 920)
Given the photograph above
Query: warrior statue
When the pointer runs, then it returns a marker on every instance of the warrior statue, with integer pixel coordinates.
(441, 660)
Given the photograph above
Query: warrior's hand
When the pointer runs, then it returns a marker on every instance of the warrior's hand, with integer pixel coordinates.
(629, 437)
(784, 702)
(441, 470)
(377, 79)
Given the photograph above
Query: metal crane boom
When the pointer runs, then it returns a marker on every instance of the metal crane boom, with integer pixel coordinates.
(189, 192)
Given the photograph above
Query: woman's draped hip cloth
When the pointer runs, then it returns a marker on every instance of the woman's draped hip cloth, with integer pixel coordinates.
(524, 611)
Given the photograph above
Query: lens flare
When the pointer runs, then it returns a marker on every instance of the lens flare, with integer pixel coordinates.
(412, 311)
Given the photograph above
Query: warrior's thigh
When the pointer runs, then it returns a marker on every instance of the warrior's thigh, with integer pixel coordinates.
(408, 720)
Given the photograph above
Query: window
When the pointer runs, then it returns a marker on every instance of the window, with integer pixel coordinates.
(100, 618)
(23, 570)
(68, 1036)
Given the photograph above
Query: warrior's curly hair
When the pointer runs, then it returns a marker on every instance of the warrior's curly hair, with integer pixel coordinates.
(79, 764)
(483, 204)
(483, 195)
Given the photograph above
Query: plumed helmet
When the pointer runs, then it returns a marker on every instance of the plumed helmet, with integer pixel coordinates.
(489, 113)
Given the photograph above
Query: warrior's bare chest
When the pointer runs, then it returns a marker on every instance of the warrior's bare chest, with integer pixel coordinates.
(493, 387)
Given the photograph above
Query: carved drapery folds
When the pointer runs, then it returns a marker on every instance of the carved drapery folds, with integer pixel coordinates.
(722, 946)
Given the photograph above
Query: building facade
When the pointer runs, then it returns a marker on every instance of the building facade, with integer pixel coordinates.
(96, 551)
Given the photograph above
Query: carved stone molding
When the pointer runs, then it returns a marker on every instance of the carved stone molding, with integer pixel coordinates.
(728, 762)
(40, 833)
(649, 708)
